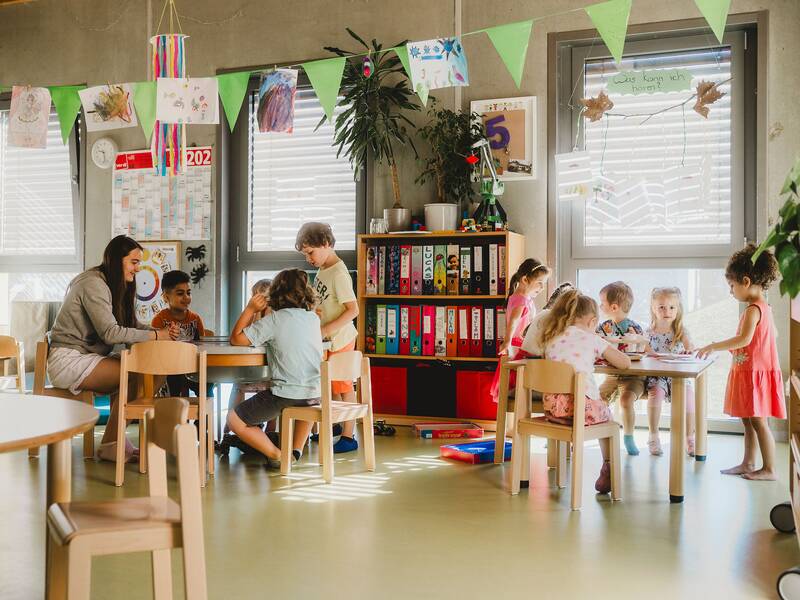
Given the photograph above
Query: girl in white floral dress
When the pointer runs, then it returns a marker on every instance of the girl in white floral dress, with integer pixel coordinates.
(667, 334)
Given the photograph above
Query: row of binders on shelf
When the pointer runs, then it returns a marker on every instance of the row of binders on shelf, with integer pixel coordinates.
(436, 270)
(446, 331)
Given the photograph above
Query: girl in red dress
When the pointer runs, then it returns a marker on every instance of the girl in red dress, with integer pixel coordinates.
(755, 385)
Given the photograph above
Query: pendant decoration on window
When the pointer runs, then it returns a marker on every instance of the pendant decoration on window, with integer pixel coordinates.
(707, 93)
(595, 108)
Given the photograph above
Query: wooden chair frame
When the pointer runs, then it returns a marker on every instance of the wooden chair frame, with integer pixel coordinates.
(78, 531)
(551, 377)
(159, 358)
(41, 389)
(344, 366)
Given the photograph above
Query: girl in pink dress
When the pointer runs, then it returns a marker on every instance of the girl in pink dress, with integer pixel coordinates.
(755, 385)
(527, 283)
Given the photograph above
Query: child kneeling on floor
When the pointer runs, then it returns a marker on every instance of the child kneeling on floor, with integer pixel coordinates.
(568, 335)
(291, 334)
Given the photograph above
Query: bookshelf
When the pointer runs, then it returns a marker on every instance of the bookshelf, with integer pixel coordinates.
(794, 411)
(514, 254)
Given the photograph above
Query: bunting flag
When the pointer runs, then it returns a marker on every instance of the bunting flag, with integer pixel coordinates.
(144, 99)
(402, 54)
(326, 77)
(423, 92)
(716, 13)
(611, 21)
(232, 89)
(67, 103)
(511, 43)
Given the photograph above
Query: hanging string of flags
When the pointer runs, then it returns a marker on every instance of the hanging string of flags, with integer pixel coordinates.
(165, 106)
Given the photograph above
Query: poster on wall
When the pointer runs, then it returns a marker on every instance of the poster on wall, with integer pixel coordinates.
(157, 259)
(28, 117)
(510, 126)
(437, 63)
(147, 206)
(108, 107)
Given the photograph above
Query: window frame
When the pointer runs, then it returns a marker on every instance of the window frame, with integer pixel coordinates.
(54, 263)
(241, 259)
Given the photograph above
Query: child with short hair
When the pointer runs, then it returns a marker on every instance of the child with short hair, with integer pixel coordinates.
(667, 334)
(338, 307)
(291, 334)
(177, 293)
(567, 334)
(755, 384)
(616, 300)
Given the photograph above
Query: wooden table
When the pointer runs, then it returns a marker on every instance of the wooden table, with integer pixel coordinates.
(679, 372)
(32, 421)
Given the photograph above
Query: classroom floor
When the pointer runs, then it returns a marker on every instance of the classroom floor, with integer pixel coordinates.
(427, 528)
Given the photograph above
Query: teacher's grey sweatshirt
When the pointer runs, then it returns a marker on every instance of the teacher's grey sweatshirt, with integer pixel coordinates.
(86, 321)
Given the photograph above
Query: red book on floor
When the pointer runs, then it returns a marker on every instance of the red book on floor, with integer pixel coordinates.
(476, 331)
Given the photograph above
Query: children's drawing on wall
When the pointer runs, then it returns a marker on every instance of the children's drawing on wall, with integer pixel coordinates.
(195, 253)
(28, 117)
(108, 107)
(276, 101)
(190, 100)
(199, 273)
(438, 63)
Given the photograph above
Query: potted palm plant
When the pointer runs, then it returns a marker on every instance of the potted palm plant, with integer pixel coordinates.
(450, 136)
(372, 122)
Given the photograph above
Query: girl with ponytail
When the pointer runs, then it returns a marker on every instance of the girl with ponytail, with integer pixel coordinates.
(568, 335)
(527, 283)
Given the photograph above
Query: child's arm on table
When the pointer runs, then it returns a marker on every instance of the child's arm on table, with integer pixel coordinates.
(511, 320)
(257, 303)
(617, 359)
(752, 315)
(350, 313)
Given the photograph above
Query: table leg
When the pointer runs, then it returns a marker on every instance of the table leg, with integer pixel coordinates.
(59, 489)
(701, 424)
(677, 435)
(502, 406)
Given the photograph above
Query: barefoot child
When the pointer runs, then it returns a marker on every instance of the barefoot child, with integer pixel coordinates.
(755, 385)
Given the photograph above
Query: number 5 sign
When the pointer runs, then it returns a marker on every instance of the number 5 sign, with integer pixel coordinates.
(509, 124)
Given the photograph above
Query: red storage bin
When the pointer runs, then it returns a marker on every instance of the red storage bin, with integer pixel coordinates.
(473, 400)
(389, 390)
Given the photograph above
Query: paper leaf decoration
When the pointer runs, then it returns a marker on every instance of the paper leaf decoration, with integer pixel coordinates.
(595, 108)
(707, 93)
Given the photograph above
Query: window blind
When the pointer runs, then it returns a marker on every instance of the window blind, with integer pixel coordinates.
(296, 178)
(665, 180)
(36, 204)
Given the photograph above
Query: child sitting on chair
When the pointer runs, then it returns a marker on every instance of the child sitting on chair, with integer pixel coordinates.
(177, 293)
(567, 334)
(291, 334)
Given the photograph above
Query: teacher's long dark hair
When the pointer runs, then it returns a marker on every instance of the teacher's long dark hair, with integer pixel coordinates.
(123, 294)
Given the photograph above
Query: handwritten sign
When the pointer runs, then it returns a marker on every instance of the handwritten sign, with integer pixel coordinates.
(657, 81)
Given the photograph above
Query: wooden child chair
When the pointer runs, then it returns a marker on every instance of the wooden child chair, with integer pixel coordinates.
(346, 366)
(41, 389)
(78, 531)
(10, 348)
(162, 358)
(551, 377)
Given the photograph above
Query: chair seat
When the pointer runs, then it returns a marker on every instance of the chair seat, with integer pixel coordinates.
(541, 427)
(340, 411)
(135, 409)
(72, 519)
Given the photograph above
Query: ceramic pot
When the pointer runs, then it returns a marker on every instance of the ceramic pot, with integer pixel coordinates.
(441, 216)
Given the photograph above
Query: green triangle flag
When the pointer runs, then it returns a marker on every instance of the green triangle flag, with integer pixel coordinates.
(144, 99)
(402, 54)
(716, 13)
(611, 20)
(422, 92)
(326, 77)
(511, 43)
(232, 88)
(67, 103)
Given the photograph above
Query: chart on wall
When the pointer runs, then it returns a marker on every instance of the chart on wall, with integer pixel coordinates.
(147, 206)
(510, 127)
(157, 259)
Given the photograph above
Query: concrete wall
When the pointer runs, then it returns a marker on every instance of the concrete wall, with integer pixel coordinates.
(82, 41)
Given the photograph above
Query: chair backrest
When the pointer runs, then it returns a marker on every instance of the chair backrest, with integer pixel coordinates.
(550, 376)
(344, 366)
(8, 347)
(169, 433)
(163, 358)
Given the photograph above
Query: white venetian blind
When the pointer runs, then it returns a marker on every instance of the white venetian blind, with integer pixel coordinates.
(666, 181)
(296, 178)
(36, 205)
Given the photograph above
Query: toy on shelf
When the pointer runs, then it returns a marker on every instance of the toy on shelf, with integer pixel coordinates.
(468, 225)
(490, 215)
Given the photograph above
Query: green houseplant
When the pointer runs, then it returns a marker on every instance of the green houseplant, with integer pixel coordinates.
(373, 121)
(785, 235)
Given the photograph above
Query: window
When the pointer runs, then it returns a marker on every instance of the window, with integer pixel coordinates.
(667, 206)
(40, 219)
(279, 182)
